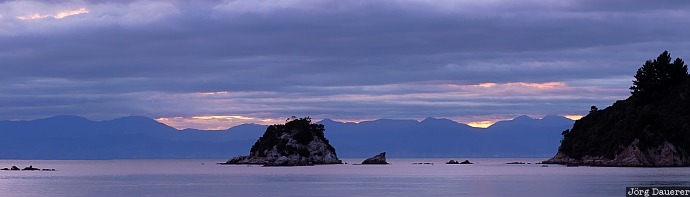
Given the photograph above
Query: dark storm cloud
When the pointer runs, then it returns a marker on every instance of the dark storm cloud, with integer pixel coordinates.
(118, 56)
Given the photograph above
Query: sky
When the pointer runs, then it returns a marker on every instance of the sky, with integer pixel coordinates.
(213, 64)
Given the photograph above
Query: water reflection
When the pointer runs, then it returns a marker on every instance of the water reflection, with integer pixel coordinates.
(487, 177)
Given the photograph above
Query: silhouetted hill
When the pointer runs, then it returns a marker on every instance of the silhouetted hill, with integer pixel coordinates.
(73, 137)
(49, 127)
(521, 137)
(649, 128)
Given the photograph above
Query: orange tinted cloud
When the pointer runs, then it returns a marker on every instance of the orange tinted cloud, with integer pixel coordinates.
(486, 85)
(546, 85)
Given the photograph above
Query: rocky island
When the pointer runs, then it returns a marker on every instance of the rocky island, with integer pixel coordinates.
(651, 128)
(378, 159)
(296, 143)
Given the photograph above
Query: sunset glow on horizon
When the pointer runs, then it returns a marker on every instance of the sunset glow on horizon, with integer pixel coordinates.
(221, 122)
(213, 122)
(481, 124)
(222, 117)
(574, 117)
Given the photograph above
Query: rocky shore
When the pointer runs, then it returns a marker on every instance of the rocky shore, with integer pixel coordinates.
(664, 155)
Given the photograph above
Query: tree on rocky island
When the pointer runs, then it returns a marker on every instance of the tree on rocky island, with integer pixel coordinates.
(297, 142)
(657, 76)
(301, 129)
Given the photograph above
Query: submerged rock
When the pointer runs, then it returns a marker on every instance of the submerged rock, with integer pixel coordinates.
(378, 159)
(296, 143)
(14, 168)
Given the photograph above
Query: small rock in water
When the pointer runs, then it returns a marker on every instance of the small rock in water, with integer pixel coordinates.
(31, 168)
(378, 159)
(466, 162)
(453, 162)
(457, 162)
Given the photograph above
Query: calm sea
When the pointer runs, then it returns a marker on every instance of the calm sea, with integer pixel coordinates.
(487, 177)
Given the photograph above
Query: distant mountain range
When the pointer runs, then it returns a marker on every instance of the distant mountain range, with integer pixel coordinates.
(136, 137)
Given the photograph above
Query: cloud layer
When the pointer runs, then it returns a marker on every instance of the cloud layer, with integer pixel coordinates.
(347, 60)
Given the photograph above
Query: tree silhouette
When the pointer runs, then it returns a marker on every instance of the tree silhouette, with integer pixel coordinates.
(656, 76)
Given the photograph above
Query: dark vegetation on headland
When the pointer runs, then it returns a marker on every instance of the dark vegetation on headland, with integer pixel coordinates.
(650, 128)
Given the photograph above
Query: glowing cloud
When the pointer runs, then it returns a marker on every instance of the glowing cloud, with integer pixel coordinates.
(546, 85)
(67, 13)
(213, 93)
(31, 16)
(59, 15)
(486, 85)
